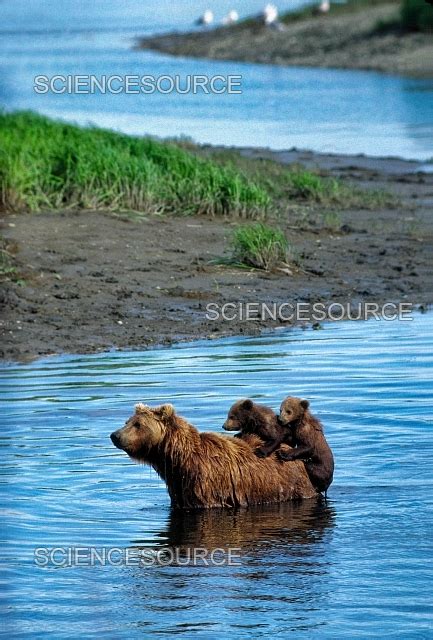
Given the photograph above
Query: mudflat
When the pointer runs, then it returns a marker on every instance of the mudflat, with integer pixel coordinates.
(90, 281)
(363, 37)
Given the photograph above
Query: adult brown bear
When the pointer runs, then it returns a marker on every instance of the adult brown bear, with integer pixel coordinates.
(205, 470)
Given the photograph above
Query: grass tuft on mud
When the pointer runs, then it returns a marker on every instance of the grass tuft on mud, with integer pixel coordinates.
(8, 270)
(259, 245)
(52, 165)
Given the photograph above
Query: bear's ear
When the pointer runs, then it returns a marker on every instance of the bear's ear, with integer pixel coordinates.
(247, 404)
(166, 411)
(141, 408)
(304, 404)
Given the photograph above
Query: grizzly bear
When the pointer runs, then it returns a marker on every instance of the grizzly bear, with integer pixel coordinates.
(309, 442)
(204, 470)
(247, 417)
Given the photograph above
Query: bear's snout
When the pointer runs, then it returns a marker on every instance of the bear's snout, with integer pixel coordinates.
(115, 439)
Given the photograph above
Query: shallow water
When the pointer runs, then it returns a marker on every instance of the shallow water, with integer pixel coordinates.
(358, 566)
(319, 109)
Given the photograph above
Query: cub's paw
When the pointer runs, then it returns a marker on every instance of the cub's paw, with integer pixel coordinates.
(260, 453)
(285, 456)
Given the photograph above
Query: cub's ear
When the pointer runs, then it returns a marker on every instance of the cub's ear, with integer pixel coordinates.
(141, 408)
(247, 404)
(166, 411)
(304, 404)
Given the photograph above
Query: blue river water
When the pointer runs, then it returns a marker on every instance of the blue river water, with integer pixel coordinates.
(320, 109)
(358, 566)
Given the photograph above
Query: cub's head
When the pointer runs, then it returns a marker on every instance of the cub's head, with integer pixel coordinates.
(245, 415)
(238, 414)
(144, 430)
(292, 409)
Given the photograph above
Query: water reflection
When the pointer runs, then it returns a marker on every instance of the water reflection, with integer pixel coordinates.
(283, 571)
(256, 530)
(315, 569)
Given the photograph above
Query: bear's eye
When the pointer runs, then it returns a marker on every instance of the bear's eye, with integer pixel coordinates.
(137, 425)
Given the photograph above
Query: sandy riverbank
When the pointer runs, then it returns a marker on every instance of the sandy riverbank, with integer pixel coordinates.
(94, 281)
(346, 40)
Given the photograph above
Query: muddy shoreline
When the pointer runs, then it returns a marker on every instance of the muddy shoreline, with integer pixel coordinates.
(94, 281)
(350, 40)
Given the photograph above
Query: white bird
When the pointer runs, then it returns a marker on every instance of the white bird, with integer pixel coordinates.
(231, 17)
(323, 7)
(270, 14)
(206, 19)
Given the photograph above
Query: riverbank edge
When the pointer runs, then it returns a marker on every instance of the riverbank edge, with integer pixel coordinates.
(75, 298)
(365, 38)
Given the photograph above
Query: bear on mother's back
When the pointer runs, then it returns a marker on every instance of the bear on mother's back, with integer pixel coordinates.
(247, 417)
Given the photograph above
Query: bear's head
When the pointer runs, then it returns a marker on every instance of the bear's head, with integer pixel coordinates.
(292, 410)
(144, 430)
(239, 414)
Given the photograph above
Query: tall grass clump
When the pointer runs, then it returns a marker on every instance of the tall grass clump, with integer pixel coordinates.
(417, 15)
(52, 165)
(294, 184)
(312, 188)
(259, 245)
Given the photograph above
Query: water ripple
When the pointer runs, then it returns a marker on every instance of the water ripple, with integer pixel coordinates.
(357, 566)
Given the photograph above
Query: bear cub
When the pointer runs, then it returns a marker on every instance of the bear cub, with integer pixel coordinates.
(247, 417)
(309, 442)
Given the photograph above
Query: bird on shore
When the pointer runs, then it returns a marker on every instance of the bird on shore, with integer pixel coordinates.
(206, 19)
(270, 14)
(323, 8)
(269, 17)
(231, 18)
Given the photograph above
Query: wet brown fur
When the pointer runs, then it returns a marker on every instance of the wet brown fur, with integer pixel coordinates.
(205, 470)
(309, 442)
(247, 417)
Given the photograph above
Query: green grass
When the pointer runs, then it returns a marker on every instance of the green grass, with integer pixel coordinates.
(8, 270)
(417, 15)
(337, 8)
(293, 185)
(51, 165)
(305, 185)
(332, 220)
(47, 165)
(410, 15)
(414, 15)
(313, 188)
(259, 245)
